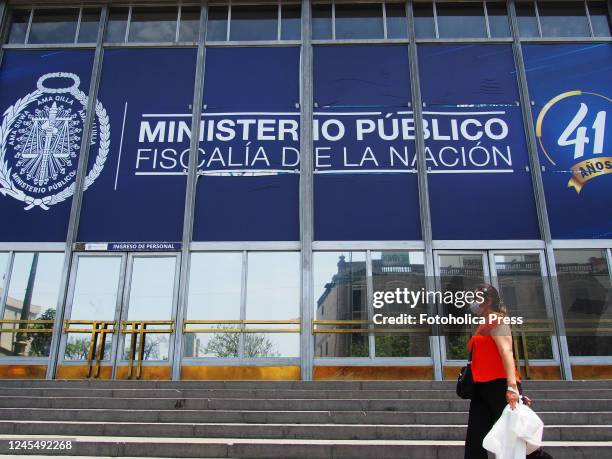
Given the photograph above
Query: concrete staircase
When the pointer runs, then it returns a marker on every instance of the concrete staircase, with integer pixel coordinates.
(283, 419)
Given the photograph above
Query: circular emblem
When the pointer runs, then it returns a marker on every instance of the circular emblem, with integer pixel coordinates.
(40, 141)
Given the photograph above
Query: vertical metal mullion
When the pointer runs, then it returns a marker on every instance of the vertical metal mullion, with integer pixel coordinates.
(486, 13)
(435, 18)
(7, 281)
(588, 14)
(538, 188)
(425, 213)
(122, 309)
(306, 195)
(178, 22)
(78, 29)
(190, 189)
(4, 26)
(609, 257)
(30, 19)
(127, 25)
(279, 18)
(369, 301)
(384, 14)
(333, 20)
(77, 196)
(229, 20)
(243, 301)
(537, 14)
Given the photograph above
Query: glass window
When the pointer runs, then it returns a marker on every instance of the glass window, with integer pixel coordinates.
(527, 21)
(498, 20)
(322, 22)
(54, 26)
(359, 21)
(254, 23)
(32, 295)
(153, 25)
(19, 26)
(404, 270)
(465, 20)
(397, 26)
(522, 292)
(600, 19)
(117, 23)
(88, 29)
(4, 258)
(273, 293)
(424, 26)
(340, 294)
(563, 19)
(291, 23)
(217, 23)
(215, 280)
(189, 28)
(586, 297)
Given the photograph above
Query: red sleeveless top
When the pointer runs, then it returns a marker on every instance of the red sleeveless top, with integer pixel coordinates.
(487, 363)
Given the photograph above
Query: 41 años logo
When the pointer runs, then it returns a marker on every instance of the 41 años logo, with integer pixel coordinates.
(40, 140)
(571, 131)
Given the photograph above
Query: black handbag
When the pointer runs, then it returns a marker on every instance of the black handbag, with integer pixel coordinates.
(465, 381)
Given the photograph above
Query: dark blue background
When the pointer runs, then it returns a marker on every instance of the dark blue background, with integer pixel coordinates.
(552, 70)
(143, 208)
(261, 208)
(18, 77)
(486, 205)
(364, 206)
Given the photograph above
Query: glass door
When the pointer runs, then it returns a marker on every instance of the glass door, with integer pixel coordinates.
(119, 317)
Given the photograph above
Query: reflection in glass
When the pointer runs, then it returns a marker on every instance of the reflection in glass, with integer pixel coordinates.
(216, 29)
(152, 298)
(189, 27)
(116, 26)
(94, 298)
(273, 293)
(32, 295)
(149, 25)
(464, 20)
(88, 29)
(522, 292)
(397, 27)
(586, 297)
(214, 294)
(498, 20)
(4, 258)
(322, 22)
(600, 19)
(19, 26)
(360, 20)
(254, 23)
(563, 19)
(404, 270)
(54, 26)
(460, 272)
(527, 21)
(340, 294)
(424, 26)
(291, 22)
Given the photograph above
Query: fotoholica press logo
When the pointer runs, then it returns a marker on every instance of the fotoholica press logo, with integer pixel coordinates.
(571, 132)
(40, 141)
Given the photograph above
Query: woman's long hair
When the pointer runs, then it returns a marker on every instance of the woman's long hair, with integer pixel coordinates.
(491, 293)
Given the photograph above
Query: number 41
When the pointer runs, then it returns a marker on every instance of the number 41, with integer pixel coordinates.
(580, 140)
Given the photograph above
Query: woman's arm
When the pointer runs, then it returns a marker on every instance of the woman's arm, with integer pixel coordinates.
(503, 339)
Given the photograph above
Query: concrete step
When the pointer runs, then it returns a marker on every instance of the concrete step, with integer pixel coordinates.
(416, 405)
(291, 417)
(439, 394)
(91, 446)
(278, 431)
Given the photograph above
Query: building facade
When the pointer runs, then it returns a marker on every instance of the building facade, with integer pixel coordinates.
(218, 190)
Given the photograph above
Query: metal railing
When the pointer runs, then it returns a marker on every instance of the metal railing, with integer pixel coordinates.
(137, 330)
(97, 341)
(241, 324)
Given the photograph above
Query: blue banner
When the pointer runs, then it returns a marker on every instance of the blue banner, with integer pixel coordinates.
(365, 185)
(479, 178)
(249, 162)
(571, 89)
(43, 99)
(140, 194)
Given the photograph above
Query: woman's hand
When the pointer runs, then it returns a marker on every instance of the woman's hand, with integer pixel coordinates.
(512, 398)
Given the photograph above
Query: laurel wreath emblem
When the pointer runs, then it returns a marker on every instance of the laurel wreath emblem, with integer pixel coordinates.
(7, 187)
